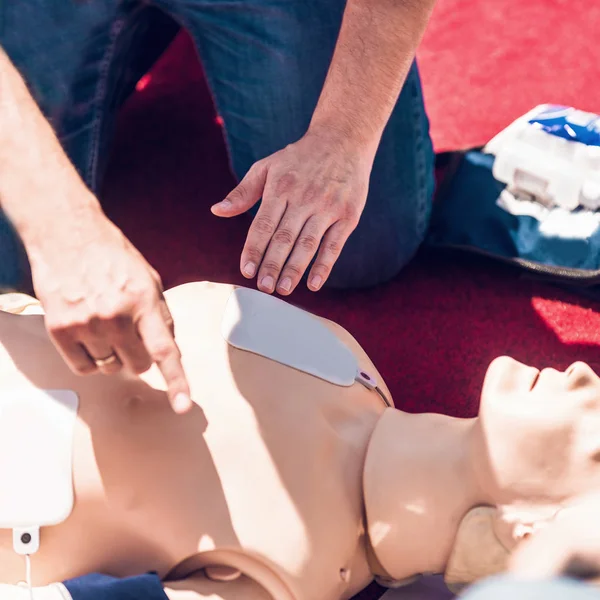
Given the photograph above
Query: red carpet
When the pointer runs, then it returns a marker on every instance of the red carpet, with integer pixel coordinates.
(486, 63)
(433, 331)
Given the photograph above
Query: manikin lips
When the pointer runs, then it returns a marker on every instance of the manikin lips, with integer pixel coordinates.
(535, 379)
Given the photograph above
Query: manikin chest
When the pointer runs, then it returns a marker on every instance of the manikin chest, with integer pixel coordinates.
(268, 466)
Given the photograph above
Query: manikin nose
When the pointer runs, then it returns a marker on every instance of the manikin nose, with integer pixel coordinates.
(581, 373)
(578, 367)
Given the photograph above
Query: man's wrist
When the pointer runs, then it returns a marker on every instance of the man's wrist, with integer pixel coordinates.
(340, 133)
(65, 220)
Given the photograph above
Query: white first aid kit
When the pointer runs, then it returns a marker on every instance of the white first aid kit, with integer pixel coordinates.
(551, 155)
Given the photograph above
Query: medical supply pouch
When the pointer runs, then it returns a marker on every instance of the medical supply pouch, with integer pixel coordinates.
(530, 198)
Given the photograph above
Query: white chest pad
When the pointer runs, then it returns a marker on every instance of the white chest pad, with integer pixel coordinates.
(36, 466)
(259, 323)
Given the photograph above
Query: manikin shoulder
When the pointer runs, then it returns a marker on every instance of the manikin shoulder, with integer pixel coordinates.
(204, 301)
(196, 307)
(196, 299)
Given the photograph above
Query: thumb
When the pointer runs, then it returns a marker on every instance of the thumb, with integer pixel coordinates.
(247, 193)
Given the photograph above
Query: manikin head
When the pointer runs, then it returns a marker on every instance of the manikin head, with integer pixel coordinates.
(536, 443)
(534, 452)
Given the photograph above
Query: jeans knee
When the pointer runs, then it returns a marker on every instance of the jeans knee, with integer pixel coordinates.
(367, 261)
(396, 216)
(14, 269)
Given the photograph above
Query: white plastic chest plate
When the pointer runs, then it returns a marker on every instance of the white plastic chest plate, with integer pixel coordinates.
(272, 328)
(36, 452)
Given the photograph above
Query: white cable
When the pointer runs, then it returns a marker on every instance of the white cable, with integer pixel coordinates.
(28, 575)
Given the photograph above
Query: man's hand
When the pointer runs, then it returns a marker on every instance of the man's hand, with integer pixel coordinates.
(104, 304)
(313, 193)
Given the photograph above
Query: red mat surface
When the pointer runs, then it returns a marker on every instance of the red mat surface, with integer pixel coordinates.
(485, 63)
(433, 330)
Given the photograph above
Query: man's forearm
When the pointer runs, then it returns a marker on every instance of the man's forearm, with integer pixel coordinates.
(375, 49)
(38, 183)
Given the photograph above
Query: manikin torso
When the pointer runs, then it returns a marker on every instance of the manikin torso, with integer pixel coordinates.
(265, 471)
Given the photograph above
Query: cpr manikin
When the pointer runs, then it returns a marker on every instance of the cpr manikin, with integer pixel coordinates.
(281, 485)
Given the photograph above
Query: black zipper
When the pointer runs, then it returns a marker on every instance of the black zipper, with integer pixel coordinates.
(583, 277)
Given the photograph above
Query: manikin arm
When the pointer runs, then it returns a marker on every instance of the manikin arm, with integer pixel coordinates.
(199, 587)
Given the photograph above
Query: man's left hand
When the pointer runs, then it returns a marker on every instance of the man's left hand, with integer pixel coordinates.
(313, 194)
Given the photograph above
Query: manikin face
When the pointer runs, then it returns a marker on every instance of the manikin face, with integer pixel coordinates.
(540, 432)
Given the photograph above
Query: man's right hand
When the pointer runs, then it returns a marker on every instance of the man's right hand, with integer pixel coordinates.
(104, 303)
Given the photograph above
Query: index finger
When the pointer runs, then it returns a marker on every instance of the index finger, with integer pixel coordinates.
(259, 235)
(163, 351)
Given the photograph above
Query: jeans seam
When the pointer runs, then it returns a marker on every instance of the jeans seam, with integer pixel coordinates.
(182, 19)
(99, 97)
(422, 187)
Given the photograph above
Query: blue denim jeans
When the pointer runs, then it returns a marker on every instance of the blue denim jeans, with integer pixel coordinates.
(505, 588)
(265, 61)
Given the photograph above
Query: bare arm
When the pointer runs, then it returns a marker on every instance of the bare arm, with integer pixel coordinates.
(103, 302)
(374, 52)
(30, 157)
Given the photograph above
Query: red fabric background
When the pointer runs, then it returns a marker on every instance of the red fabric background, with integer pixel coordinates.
(487, 62)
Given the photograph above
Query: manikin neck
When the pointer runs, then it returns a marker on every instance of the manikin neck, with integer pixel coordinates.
(418, 485)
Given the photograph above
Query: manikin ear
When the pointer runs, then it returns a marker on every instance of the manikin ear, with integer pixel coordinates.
(569, 545)
(515, 524)
(511, 527)
(485, 539)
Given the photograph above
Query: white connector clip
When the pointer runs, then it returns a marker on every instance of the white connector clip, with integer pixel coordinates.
(26, 540)
(365, 379)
